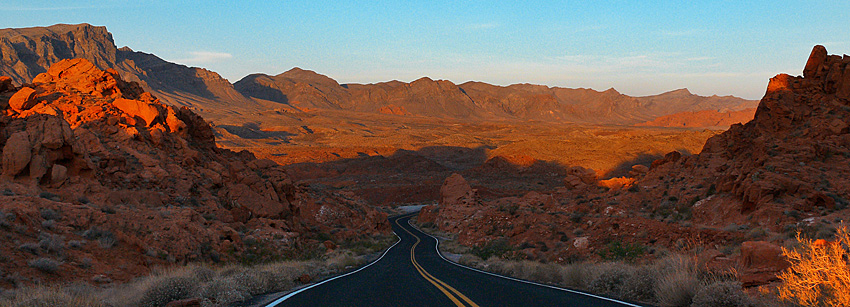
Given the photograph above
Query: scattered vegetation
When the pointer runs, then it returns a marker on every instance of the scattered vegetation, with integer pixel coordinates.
(46, 265)
(105, 238)
(616, 250)
(494, 248)
(676, 280)
(214, 286)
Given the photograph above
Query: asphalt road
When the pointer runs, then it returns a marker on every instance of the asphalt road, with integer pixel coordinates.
(411, 273)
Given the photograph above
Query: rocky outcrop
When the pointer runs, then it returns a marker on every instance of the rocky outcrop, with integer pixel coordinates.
(760, 262)
(110, 157)
(28, 52)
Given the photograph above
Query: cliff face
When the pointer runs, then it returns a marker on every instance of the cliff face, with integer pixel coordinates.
(89, 156)
(30, 51)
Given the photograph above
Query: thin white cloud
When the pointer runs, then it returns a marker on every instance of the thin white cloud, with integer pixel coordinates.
(205, 57)
(483, 26)
(63, 8)
(700, 59)
(691, 32)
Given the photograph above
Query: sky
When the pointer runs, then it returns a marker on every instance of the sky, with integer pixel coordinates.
(637, 47)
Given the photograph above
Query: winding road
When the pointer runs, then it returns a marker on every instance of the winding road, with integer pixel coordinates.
(412, 273)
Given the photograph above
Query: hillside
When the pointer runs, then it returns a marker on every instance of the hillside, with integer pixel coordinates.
(705, 118)
(751, 189)
(102, 179)
(307, 90)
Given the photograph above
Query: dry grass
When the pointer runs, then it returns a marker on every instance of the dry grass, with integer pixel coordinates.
(215, 286)
(820, 272)
(675, 280)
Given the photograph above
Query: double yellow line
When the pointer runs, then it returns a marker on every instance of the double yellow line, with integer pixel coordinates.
(450, 292)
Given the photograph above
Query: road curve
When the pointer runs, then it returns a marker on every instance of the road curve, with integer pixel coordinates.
(412, 273)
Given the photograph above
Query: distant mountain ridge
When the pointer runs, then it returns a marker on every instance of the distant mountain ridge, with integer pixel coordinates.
(27, 52)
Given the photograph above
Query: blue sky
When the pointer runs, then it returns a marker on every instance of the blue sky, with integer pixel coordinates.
(637, 47)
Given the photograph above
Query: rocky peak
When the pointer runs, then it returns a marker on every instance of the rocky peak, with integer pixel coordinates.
(27, 52)
(302, 75)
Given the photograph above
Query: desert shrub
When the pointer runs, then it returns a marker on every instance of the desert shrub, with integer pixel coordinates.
(203, 274)
(6, 219)
(44, 264)
(51, 243)
(105, 238)
(31, 248)
(168, 289)
(50, 297)
(539, 272)
(48, 224)
(75, 244)
(496, 247)
(616, 251)
(574, 276)
(726, 294)
(820, 271)
(640, 285)
(677, 280)
(610, 279)
(49, 214)
(223, 293)
(677, 288)
(342, 261)
(50, 196)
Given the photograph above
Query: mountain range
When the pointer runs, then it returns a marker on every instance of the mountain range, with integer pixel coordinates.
(26, 52)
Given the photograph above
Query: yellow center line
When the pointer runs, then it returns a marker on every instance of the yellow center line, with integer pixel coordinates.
(442, 286)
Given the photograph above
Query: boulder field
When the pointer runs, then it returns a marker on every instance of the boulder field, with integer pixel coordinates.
(102, 178)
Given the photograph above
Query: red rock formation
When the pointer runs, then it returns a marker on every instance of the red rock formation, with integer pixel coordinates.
(761, 261)
(107, 156)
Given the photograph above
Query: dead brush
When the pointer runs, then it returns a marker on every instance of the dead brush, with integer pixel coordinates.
(820, 271)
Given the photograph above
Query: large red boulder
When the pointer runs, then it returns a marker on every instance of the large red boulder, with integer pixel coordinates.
(454, 189)
(17, 153)
(760, 262)
(137, 109)
(23, 100)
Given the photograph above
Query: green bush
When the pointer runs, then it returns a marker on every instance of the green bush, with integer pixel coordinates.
(617, 251)
(494, 248)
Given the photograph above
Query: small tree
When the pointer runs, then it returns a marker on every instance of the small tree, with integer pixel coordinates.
(820, 272)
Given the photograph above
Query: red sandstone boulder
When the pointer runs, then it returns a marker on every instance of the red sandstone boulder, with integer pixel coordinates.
(760, 262)
(6, 84)
(23, 100)
(454, 189)
(135, 108)
(17, 153)
(579, 178)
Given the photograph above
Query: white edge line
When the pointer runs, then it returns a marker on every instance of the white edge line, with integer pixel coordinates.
(437, 247)
(285, 297)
